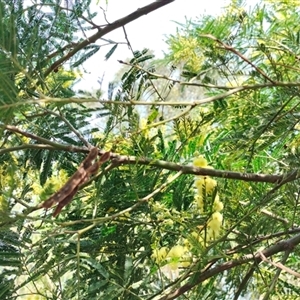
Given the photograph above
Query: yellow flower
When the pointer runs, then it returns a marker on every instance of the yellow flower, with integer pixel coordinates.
(200, 202)
(176, 251)
(199, 237)
(159, 254)
(217, 198)
(36, 188)
(205, 182)
(157, 207)
(217, 216)
(218, 205)
(179, 256)
(186, 261)
(168, 222)
(200, 162)
(214, 224)
(200, 183)
(210, 184)
(143, 124)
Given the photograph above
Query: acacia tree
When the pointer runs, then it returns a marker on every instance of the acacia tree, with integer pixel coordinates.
(199, 197)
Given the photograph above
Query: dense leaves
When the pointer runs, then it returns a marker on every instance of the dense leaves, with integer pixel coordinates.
(201, 194)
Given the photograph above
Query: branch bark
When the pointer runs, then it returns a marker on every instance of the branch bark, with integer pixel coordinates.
(108, 28)
(284, 245)
(118, 160)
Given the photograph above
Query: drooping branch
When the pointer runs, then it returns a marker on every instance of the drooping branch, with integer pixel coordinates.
(185, 169)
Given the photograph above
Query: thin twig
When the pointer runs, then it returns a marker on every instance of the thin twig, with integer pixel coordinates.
(272, 285)
(127, 40)
(233, 50)
(276, 217)
(46, 99)
(72, 128)
(260, 239)
(134, 206)
(184, 83)
(193, 105)
(20, 201)
(280, 265)
(104, 15)
(244, 282)
(38, 138)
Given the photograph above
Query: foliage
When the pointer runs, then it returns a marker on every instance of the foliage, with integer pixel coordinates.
(200, 196)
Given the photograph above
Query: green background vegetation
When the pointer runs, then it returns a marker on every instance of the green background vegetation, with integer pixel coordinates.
(228, 90)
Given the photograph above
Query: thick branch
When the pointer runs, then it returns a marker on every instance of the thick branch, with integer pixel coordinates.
(279, 247)
(108, 28)
(125, 160)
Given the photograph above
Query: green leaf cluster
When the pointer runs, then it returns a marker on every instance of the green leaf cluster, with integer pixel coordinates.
(225, 94)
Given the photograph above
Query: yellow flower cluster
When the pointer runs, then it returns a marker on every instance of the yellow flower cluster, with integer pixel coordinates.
(181, 255)
(186, 49)
(159, 254)
(178, 256)
(52, 184)
(149, 132)
(205, 187)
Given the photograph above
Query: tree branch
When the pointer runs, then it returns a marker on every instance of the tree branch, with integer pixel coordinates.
(108, 28)
(71, 127)
(118, 160)
(280, 266)
(206, 274)
(232, 89)
(233, 50)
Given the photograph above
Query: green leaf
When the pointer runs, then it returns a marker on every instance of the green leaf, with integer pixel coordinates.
(111, 51)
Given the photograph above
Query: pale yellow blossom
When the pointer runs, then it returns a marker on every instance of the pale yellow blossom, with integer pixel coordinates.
(200, 162)
(214, 225)
(199, 236)
(179, 256)
(200, 183)
(168, 222)
(206, 183)
(217, 216)
(200, 202)
(159, 254)
(186, 260)
(177, 251)
(218, 205)
(210, 184)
